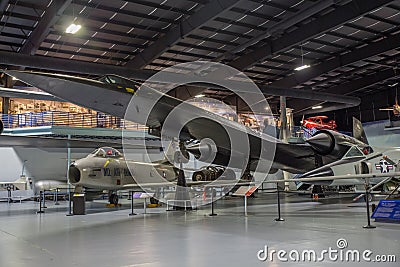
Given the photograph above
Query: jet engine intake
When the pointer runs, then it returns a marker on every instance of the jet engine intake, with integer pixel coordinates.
(74, 174)
(204, 151)
(323, 142)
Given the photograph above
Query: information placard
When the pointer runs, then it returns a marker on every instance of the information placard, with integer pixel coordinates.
(388, 210)
(245, 191)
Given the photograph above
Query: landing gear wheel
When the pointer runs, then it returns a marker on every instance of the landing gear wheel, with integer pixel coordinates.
(213, 173)
(154, 201)
(198, 176)
(113, 199)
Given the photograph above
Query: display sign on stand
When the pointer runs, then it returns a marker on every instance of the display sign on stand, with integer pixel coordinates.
(245, 191)
(140, 195)
(387, 211)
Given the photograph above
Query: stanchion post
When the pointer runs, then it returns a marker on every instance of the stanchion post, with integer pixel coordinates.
(9, 195)
(56, 198)
(368, 226)
(132, 213)
(44, 199)
(212, 203)
(279, 219)
(40, 203)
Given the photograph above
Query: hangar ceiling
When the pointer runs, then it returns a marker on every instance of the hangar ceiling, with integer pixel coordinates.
(352, 46)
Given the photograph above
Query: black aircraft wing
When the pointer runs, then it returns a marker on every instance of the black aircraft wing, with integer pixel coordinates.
(17, 93)
(52, 142)
(115, 98)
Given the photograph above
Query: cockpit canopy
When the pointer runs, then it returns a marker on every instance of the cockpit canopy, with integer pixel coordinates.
(356, 151)
(106, 152)
(121, 81)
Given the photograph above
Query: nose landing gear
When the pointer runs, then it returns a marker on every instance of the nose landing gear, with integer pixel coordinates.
(113, 199)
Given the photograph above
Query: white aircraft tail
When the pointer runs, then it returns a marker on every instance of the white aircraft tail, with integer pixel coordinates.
(19, 184)
(358, 131)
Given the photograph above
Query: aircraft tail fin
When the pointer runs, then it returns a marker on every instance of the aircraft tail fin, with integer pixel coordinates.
(358, 131)
(169, 153)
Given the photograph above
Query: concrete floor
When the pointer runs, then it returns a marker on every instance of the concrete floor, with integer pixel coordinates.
(109, 237)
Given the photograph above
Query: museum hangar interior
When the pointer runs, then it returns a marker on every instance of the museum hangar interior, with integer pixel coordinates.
(199, 132)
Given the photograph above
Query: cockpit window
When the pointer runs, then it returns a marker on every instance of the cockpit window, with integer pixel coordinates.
(114, 79)
(107, 152)
(354, 152)
(367, 150)
(121, 83)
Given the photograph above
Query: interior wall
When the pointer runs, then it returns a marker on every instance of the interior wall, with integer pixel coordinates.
(378, 136)
(11, 165)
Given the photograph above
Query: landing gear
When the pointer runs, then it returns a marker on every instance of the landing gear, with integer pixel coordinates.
(113, 199)
(198, 176)
(154, 201)
(212, 173)
(317, 192)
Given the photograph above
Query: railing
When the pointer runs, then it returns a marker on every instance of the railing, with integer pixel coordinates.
(59, 118)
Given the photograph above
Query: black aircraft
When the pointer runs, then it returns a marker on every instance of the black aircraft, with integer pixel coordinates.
(123, 98)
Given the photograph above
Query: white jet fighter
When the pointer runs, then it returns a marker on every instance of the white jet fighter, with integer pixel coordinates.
(359, 159)
(106, 169)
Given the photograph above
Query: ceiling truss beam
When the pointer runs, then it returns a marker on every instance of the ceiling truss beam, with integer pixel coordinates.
(186, 26)
(330, 21)
(53, 12)
(373, 49)
(304, 107)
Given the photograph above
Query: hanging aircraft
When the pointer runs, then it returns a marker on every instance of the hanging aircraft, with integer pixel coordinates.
(395, 108)
(326, 156)
(319, 123)
(113, 95)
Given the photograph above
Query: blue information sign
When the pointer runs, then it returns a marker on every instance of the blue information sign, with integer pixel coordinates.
(387, 210)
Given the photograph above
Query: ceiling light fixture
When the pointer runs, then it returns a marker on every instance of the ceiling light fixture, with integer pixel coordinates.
(200, 95)
(317, 107)
(302, 66)
(73, 28)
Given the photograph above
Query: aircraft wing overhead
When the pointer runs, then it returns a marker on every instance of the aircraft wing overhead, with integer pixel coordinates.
(49, 142)
(80, 91)
(16, 93)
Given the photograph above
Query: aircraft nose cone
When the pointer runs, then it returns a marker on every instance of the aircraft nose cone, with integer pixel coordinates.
(74, 174)
(322, 142)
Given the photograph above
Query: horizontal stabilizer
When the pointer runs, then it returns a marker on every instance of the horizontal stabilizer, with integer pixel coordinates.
(338, 177)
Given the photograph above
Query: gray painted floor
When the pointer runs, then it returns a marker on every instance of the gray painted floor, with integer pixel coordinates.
(109, 237)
